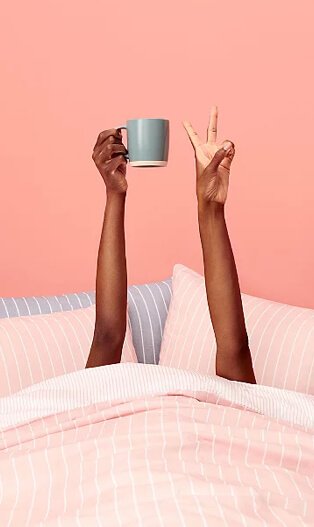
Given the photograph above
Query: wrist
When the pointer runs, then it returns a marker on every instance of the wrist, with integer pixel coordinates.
(114, 196)
(210, 208)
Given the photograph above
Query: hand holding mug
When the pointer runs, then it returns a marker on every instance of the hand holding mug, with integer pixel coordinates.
(213, 162)
(109, 157)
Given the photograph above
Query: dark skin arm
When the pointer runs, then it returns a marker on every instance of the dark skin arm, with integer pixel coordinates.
(111, 281)
(213, 162)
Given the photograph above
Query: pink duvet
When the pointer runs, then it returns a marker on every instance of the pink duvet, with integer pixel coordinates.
(170, 456)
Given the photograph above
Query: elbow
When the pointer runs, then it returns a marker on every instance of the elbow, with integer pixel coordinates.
(235, 362)
(106, 348)
(234, 346)
(108, 337)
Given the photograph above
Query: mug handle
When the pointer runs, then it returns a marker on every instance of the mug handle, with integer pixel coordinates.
(122, 126)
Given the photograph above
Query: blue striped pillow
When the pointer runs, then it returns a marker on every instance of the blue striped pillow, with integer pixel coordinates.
(147, 309)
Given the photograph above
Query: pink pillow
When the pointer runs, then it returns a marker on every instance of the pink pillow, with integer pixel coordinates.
(281, 336)
(34, 348)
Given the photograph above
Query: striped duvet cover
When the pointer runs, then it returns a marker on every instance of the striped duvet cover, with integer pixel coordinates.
(145, 445)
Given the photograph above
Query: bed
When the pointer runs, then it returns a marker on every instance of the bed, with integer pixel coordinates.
(141, 444)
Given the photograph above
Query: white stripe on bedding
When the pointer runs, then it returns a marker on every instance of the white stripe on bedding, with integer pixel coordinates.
(130, 381)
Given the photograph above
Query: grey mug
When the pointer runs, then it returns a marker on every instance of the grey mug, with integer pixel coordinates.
(147, 142)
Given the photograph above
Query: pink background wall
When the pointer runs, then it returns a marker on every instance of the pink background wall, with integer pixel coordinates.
(70, 69)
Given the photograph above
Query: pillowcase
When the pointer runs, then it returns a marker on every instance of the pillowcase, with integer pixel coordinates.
(281, 336)
(38, 347)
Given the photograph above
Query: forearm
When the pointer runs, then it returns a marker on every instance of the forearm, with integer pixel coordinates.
(222, 285)
(233, 360)
(111, 286)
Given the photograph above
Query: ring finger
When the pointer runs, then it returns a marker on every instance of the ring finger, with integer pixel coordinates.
(226, 162)
(227, 142)
(111, 151)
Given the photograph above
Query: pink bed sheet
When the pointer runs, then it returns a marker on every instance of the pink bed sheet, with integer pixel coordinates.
(192, 459)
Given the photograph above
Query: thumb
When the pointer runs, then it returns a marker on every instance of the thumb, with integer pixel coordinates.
(218, 157)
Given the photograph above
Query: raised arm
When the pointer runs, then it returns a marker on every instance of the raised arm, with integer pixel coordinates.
(111, 281)
(213, 162)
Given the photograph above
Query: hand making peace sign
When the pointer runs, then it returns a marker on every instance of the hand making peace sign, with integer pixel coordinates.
(213, 162)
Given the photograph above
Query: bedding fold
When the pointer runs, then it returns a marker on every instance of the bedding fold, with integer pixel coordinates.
(140, 445)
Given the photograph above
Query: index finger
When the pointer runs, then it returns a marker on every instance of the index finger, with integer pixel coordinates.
(105, 134)
(212, 126)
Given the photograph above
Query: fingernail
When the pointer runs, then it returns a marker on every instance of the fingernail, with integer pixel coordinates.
(227, 147)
